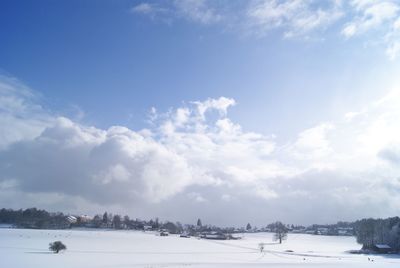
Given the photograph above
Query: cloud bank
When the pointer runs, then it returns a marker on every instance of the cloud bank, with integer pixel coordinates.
(194, 161)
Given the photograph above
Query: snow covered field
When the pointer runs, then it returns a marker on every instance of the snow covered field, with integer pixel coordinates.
(20, 248)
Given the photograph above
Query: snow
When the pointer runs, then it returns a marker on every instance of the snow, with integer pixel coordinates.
(382, 246)
(101, 248)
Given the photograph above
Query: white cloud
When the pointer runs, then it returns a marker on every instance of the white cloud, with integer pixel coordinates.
(151, 10)
(221, 105)
(393, 50)
(296, 18)
(21, 117)
(392, 40)
(189, 153)
(198, 11)
(378, 19)
(182, 116)
(300, 19)
(314, 142)
(370, 15)
(145, 8)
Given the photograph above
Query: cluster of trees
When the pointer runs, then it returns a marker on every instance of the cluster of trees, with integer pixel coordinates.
(108, 220)
(378, 231)
(33, 218)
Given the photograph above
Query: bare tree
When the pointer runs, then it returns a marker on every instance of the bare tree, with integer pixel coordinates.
(280, 231)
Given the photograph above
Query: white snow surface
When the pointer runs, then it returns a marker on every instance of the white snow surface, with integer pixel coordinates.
(101, 248)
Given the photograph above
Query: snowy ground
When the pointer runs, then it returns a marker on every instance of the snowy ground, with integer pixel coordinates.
(96, 248)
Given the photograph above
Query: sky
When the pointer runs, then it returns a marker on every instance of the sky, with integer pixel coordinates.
(228, 111)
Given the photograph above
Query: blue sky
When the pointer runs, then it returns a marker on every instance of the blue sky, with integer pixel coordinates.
(73, 52)
(289, 66)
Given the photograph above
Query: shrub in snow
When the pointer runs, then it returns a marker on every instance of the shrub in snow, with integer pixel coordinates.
(57, 246)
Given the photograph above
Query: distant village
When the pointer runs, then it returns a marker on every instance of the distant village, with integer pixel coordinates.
(41, 219)
(375, 235)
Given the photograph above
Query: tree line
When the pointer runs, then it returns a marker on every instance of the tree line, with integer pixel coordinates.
(33, 218)
(370, 232)
(41, 219)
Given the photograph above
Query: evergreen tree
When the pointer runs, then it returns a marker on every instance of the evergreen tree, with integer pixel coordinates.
(116, 222)
(248, 227)
(105, 218)
(97, 220)
(126, 220)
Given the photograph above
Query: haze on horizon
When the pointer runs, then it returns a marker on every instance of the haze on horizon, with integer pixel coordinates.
(228, 111)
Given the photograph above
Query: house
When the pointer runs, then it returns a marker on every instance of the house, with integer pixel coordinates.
(322, 230)
(231, 237)
(85, 218)
(345, 231)
(164, 233)
(185, 235)
(299, 230)
(71, 219)
(147, 227)
(382, 248)
(214, 236)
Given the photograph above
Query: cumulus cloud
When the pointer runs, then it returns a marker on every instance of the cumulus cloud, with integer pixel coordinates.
(196, 156)
(314, 141)
(221, 105)
(114, 165)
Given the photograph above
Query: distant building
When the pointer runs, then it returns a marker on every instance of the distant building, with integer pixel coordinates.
(299, 231)
(147, 227)
(382, 248)
(322, 231)
(185, 235)
(85, 218)
(72, 219)
(214, 236)
(345, 231)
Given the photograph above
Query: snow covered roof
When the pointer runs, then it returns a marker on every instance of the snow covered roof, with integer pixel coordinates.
(71, 219)
(382, 246)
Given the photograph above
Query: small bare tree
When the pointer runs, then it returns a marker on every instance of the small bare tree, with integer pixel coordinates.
(261, 247)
